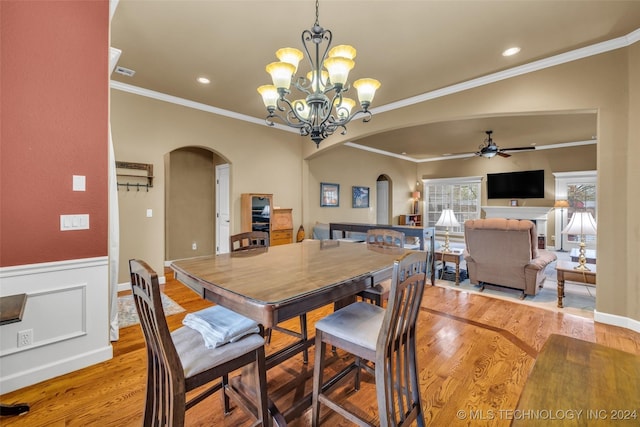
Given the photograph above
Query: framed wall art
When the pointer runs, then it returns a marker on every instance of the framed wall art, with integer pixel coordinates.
(360, 197)
(329, 195)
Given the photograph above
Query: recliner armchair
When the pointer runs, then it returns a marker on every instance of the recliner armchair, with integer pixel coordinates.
(505, 252)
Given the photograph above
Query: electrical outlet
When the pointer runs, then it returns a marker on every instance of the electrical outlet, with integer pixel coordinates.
(25, 338)
(194, 246)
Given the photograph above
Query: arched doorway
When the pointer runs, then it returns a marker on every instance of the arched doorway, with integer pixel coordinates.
(383, 199)
(191, 207)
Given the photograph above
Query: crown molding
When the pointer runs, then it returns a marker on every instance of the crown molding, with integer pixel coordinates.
(136, 90)
(463, 156)
(563, 58)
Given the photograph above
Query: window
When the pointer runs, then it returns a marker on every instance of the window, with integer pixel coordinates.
(579, 188)
(462, 195)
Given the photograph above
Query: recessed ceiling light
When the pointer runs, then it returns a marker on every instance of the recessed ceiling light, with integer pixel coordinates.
(203, 80)
(511, 51)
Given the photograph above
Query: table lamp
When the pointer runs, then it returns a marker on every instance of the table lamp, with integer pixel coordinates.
(582, 224)
(447, 219)
(561, 204)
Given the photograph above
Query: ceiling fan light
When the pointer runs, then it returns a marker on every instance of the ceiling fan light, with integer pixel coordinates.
(343, 51)
(366, 89)
(291, 56)
(281, 73)
(269, 95)
(339, 68)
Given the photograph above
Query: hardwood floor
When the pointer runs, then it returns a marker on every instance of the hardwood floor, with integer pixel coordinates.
(475, 355)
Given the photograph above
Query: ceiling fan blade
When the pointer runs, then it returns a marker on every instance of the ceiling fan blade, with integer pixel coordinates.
(502, 154)
(518, 149)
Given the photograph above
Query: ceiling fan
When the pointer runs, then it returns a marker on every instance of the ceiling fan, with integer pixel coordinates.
(490, 149)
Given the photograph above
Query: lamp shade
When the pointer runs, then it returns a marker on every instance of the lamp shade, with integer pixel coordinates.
(582, 223)
(447, 219)
(561, 204)
(415, 195)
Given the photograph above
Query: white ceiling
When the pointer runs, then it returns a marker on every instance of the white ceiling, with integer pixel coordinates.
(412, 47)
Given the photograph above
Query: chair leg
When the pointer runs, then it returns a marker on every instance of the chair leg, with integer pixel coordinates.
(225, 397)
(303, 333)
(317, 379)
(261, 386)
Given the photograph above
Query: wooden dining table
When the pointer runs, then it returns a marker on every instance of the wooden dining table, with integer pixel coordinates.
(271, 285)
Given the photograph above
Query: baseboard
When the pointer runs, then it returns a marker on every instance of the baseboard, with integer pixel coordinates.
(615, 320)
(55, 369)
(127, 285)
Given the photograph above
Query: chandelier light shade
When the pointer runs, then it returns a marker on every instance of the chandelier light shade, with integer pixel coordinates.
(447, 219)
(321, 108)
(581, 224)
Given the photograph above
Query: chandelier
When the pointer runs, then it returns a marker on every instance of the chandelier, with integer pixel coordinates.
(322, 108)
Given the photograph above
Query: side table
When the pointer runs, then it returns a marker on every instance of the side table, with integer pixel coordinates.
(454, 256)
(566, 271)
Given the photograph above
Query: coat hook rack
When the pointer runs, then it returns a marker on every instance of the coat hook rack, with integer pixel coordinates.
(137, 172)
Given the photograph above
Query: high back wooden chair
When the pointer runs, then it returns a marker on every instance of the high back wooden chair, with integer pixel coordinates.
(248, 240)
(252, 240)
(386, 337)
(381, 238)
(179, 362)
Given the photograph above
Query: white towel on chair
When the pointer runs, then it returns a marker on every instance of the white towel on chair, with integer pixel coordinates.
(219, 326)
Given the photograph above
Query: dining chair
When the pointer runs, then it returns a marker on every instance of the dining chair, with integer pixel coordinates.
(386, 337)
(179, 362)
(252, 240)
(381, 238)
(248, 240)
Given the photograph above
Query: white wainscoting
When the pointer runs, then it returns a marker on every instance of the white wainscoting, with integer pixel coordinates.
(68, 310)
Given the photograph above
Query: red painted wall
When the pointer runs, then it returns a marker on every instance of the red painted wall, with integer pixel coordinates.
(54, 87)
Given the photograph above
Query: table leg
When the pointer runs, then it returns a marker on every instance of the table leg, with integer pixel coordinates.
(560, 289)
(457, 273)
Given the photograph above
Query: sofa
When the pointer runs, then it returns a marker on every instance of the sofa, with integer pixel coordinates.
(504, 252)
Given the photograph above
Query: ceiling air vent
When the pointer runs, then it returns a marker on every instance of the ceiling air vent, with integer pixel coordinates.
(125, 71)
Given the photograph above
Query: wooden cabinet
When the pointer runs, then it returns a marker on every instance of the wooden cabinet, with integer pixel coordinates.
(281, 227)
(257, 214)
(410, 219)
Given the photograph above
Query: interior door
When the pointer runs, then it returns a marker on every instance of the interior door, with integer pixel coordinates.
(222, 209)
(382, 202)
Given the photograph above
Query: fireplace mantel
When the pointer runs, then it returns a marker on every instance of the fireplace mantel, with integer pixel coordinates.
(538, 214)
(516, 212)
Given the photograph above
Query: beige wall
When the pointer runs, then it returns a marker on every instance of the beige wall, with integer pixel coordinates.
(271, 161)
(263, 160)
(631, 291)
(606, 83)
(350, 167)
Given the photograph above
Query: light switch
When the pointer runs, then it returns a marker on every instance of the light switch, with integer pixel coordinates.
(79, 183)
(149, 213)
(74, 222)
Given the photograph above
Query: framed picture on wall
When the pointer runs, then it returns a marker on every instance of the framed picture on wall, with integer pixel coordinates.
(514, 202)
(329, 195)
(360, 197)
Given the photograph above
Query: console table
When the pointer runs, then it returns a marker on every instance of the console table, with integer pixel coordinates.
(425, 234)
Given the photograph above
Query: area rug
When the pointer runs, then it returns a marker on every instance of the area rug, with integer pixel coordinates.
(579, 299)
(127, 314)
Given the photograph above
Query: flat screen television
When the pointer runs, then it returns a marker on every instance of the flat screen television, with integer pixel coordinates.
(516, 185)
